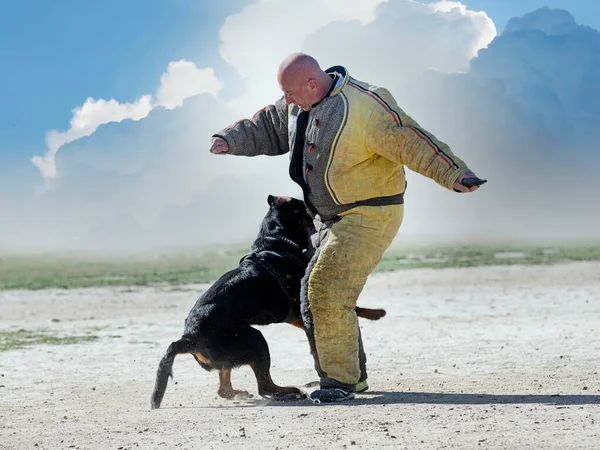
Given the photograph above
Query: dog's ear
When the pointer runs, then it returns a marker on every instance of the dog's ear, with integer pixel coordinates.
(273, 200)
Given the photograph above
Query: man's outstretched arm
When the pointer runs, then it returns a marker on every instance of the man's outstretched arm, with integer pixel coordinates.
(265, 134)
(394, 135)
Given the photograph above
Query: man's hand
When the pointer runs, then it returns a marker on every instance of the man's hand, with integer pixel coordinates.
(461, 187)
(219, 146)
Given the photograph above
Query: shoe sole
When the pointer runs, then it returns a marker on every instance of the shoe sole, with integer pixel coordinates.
(318, 401)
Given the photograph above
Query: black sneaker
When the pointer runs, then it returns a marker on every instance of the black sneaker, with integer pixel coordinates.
(330, 395)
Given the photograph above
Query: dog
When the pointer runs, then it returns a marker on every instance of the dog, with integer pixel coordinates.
(263, 289)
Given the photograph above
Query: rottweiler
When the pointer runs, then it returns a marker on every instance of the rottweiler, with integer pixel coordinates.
(263, 289)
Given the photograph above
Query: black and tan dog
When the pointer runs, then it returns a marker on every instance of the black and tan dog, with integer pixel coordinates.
(264, 289)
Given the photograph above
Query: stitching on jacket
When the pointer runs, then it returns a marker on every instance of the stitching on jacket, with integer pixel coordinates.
(379, 100)
(421, 134)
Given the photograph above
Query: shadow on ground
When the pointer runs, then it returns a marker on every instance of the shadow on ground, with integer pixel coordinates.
(438, 398)
(431, 398)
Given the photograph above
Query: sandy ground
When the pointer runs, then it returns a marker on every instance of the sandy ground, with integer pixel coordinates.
(496, 357)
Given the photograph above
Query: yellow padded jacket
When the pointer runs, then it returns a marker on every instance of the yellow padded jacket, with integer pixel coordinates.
(349, 150)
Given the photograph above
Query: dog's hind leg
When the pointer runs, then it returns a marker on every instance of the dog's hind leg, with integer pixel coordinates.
(226, 390)
(165, 370)
(259, 359)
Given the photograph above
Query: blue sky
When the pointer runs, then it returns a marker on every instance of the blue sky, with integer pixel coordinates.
(57, 54)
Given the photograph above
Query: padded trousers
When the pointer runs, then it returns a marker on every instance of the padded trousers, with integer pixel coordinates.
(347, 250)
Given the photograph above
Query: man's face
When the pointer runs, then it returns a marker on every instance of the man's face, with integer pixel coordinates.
(298, 92)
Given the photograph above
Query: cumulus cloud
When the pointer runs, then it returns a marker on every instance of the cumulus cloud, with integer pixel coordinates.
(551, 22)
(404, 40)
(85, 121)
(481, 22)
(181, 80)
(547, 64)
(184, 79)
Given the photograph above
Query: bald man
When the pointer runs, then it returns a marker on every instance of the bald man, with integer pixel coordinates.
(349, 142)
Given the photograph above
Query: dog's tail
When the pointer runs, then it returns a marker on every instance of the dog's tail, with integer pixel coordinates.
(165, 370)
(365, 313)
(371, 314)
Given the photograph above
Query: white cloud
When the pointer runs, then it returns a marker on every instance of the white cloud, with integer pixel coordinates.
(484, 26)
(182, 79)
(86, 119)
(405, 39)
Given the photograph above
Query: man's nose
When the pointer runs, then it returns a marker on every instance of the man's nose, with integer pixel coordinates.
(288, 99)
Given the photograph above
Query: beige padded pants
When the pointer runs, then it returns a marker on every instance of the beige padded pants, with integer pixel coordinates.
(347, 252)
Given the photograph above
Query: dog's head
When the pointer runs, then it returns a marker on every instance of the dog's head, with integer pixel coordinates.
(292, 218)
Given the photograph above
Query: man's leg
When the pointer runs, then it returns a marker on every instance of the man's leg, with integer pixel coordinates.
(335, 278)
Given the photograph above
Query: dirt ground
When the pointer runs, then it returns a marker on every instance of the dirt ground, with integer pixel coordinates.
(489, 357)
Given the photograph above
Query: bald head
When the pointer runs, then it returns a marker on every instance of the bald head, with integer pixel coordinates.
(298, 65)
(302, 80)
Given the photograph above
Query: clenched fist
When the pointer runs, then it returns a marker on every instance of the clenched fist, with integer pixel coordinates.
(219, 146)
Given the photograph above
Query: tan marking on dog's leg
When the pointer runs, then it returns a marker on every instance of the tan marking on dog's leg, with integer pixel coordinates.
(226, 389)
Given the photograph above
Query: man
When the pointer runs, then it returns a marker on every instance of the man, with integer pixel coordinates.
(349, 143)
